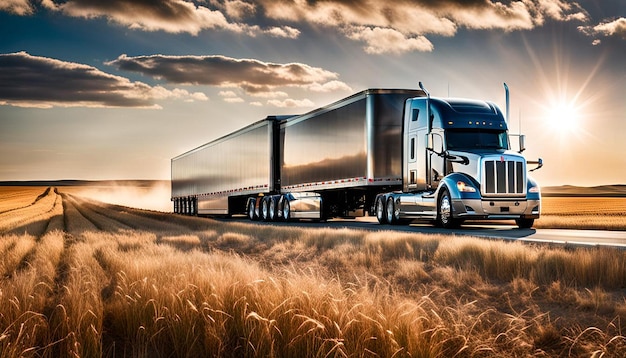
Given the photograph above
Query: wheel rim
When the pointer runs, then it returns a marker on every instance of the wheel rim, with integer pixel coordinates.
(264, 208)
(445, 209)
(286, 210)
(272, 210)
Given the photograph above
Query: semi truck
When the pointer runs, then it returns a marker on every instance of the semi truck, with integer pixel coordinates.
(397, 154)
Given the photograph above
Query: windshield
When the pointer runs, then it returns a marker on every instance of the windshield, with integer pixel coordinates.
(476, 139)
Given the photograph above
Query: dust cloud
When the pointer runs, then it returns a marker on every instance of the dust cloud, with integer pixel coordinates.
(155, 196)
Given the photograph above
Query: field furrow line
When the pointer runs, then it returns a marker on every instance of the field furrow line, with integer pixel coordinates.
(75, 309)
(39, 197)
(32, 219)
(56, 221)
(137, 219)
(43, 229)
(74, 221)
(102, 222)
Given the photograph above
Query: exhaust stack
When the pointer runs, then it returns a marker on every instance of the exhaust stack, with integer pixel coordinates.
(427, 105)
(506, 95)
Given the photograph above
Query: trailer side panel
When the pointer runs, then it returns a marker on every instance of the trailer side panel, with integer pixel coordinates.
(238, 164)
(351, 143)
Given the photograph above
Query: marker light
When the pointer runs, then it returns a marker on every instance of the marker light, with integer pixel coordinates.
(534, 189)
(464, 187)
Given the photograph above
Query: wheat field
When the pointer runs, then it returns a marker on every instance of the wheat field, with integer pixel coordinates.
(80, 278)
(596, 213)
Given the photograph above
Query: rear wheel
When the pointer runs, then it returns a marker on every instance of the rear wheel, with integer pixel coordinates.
(445, 212)
(525, 223)
(265, 209)
(380, 210)
(272, 213)
(393, 212)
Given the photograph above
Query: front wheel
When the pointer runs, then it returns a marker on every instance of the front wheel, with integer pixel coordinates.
(445, 211)
(380, 210)
(286, 210)
(525, 223)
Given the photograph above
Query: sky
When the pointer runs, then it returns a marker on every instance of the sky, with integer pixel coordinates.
(114, 89)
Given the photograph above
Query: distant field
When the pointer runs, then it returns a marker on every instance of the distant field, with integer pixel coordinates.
(600, 213)
(83, 278)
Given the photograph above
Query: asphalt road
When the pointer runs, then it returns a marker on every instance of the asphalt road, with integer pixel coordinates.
(494, 231)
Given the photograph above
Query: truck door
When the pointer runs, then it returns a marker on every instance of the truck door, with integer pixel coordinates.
(435, 161)
(414, 146)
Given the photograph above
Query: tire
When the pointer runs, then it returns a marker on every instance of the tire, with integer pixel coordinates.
(251, 209)
(445, 212)
(272, 210)
(381, 215)
(393, 212)
(265, 215)
(524, 223)
(286, 210)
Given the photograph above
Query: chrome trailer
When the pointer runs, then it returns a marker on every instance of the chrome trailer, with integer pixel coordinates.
(218, 177)
(335, 159)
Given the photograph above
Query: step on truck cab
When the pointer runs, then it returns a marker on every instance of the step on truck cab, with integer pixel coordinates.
(458, 165)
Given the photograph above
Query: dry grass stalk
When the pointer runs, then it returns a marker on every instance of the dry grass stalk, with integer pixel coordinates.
(110, 286)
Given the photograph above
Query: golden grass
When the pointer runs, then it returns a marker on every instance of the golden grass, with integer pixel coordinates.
(104, 280)
(18, 197)
(596, 213)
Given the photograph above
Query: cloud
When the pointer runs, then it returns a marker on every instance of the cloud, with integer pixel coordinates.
(405, 23)
(291, 103)
(394, 27)
(256, 78)
(17, 7)
(33, 81)
(330, 86)
(175, 16)
(615, 27)
(230, 97)
(385, 40)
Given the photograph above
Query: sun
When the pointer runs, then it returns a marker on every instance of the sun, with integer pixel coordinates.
(564, 116)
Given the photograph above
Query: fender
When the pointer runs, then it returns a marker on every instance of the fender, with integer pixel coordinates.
(450, 182)
(533, 191)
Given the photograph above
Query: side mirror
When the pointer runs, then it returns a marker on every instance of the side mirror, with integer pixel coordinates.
(538, 163)
(522, 147)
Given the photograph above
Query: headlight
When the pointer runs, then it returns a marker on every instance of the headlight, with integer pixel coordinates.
(534, 189)
(464, 188)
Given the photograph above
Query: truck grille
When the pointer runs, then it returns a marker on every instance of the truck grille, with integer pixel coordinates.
(504, 177)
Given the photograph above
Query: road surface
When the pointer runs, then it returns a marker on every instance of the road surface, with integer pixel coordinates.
(495, 231)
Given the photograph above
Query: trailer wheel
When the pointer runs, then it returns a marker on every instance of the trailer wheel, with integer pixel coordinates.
(393, 212)
(445, 216)
(380, 210)
(524, 223)
(251, 205)
(265, 215)
(286, 210)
